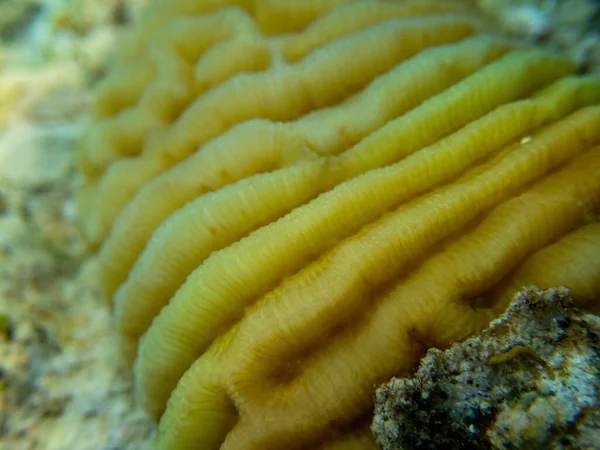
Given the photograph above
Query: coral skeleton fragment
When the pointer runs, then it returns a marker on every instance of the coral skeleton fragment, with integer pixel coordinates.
(294, 200)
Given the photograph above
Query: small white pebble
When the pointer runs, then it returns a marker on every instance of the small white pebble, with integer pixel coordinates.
(526, 139)
(69, 211)
(526, 20)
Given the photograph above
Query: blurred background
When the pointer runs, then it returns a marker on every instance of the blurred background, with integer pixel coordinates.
(61, 384)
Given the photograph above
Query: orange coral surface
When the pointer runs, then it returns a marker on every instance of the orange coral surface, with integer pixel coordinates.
(295, 199)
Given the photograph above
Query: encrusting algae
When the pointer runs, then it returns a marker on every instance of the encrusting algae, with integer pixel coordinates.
(296, 199)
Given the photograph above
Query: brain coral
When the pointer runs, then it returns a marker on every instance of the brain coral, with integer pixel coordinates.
(294, 200)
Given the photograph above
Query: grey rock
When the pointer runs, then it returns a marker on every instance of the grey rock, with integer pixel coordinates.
(531, 380)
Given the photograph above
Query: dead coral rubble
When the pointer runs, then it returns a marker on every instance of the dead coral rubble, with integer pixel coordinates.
(531, 381)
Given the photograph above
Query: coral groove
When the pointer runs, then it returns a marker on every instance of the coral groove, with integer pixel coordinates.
(294, 200)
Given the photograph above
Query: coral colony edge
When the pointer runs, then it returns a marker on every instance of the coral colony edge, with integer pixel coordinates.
(294, 200)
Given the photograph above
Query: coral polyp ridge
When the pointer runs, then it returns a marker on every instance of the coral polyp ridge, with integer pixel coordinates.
(293, 200)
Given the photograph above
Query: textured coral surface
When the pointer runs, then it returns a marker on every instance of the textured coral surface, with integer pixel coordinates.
(294, 200)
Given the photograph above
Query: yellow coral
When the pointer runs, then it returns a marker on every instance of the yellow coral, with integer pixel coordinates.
(296, 198)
